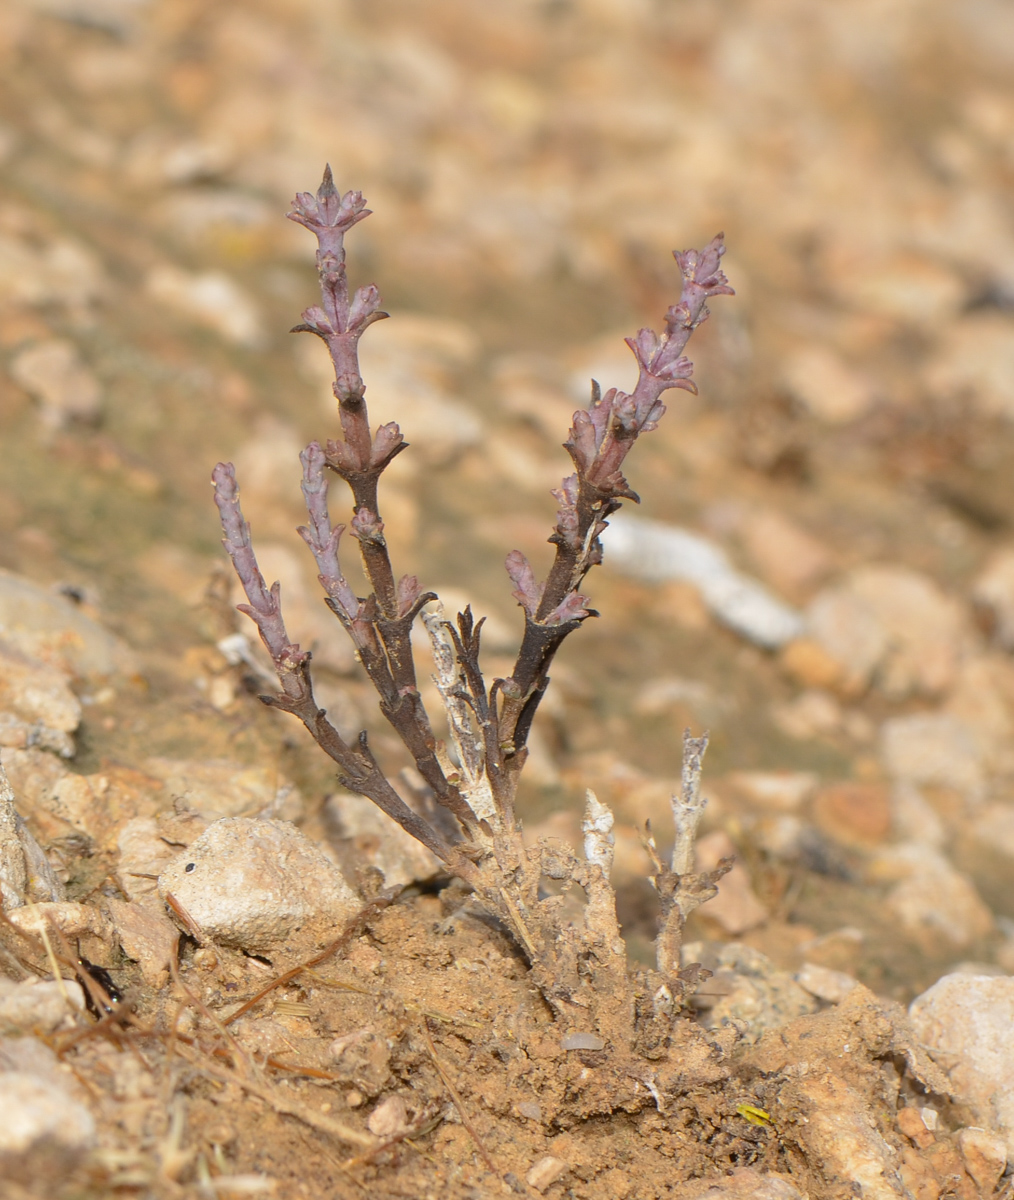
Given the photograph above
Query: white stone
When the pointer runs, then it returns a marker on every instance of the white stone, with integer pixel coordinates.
(964, 1021)
(657, 552)
(258, 885)
(389, 1118)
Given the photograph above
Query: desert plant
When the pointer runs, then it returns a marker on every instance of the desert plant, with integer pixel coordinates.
(580, 967)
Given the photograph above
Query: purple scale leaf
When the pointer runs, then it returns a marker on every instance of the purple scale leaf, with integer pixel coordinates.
(366, 525)
(571, 608)
(408, 592)
(527, 592)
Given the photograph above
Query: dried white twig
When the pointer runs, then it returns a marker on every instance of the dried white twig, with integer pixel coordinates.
(689, 806)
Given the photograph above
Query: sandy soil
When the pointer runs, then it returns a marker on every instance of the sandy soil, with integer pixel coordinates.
(530, 166)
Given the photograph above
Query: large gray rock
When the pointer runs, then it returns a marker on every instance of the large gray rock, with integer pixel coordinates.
(965, 1023)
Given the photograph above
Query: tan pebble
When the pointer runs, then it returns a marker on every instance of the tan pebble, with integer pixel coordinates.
(545, 1172)
(736, 907)
(946, 1161)
(354, 1098)
(827, 985)
(984, 1156)
(912, 1125)
(813, 713)
(681, 603)
(809, 664)
(39, 1004)
(854, 813)
(746, 1183)
(774, 791)
(211, 299)
(827, 386)
(616, 1184)
(221, 692)
(389, 1118)
(841, 1135)
(934, 903)
(147, 936)
(788, 557)
(53, 372)
(70, 918)
(44, 1131)
(918, 1175)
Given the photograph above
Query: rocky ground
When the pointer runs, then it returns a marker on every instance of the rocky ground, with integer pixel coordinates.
(830, 591)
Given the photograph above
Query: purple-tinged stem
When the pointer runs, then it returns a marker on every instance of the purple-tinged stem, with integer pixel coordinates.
(264, 605)
(600, 439)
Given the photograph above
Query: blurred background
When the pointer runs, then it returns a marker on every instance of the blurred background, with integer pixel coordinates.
(840, 609)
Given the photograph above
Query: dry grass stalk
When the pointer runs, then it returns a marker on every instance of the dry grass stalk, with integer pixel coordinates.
(458, 1102)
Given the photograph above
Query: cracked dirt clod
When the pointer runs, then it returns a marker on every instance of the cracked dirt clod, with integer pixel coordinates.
(258, 885)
